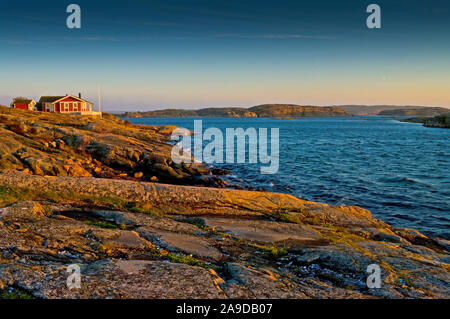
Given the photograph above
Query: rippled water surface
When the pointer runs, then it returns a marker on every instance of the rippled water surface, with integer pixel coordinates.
(399, 171)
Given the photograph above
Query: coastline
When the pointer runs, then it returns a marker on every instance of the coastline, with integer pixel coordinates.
(440, 121)
(148, 235)
(325, 159)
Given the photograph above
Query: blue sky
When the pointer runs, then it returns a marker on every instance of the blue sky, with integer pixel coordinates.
(190, 54)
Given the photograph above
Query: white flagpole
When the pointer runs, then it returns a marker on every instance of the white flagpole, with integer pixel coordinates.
(99, 101)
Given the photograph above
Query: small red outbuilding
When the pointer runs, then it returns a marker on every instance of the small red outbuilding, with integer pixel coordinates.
(23, 104)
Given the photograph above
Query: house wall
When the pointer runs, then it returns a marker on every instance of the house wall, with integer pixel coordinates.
(60, 106)
(44, 107)
(21, 106)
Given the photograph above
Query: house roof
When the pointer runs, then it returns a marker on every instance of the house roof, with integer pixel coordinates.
(50, 99)
(22, 101)
(53, 99)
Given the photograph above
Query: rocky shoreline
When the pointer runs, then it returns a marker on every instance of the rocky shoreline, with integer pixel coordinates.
(441, 121)
(103, 194)
(69, 145)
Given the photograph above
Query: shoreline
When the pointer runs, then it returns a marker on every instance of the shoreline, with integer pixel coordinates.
(102, 210)
(398, 215)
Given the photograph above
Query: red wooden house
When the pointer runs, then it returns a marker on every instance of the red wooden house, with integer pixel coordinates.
(23, 104)
(66, 104)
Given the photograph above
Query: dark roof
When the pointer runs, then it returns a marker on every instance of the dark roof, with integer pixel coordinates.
(50, 98)
(22, 101)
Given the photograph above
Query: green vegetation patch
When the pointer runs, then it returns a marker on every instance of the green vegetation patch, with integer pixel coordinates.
(187, 260)
(109, 201)
(8, 196)
(301, 216)
(143, 209)
(102, 224)
(182, 259)
(108, 225)
(195, 221)
(12, 293)
(272, 251)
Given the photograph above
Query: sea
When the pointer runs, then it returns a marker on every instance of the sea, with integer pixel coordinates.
(399, 171)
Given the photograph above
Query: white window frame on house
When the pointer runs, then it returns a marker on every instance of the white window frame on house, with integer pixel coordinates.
(75, 107)
(66, 107)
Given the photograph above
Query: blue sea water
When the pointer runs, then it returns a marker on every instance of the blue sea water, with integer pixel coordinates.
(399, 171)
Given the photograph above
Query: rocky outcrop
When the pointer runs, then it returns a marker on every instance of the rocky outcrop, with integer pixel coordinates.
(188, 200)
(69, 145)
(148, 240)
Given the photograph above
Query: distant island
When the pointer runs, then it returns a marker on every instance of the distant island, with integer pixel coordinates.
(293, 111)
(265, 110)
(422, 111)
(375, 109)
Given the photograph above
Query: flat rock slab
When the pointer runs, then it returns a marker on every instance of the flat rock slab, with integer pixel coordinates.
(184, 242)
(259, 284)
(115, 279)
(127, 239)
(265, 231)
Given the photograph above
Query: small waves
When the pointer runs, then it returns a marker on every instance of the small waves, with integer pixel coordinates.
(405, 180)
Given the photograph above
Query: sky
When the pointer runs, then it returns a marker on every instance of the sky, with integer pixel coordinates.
(148, 55)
